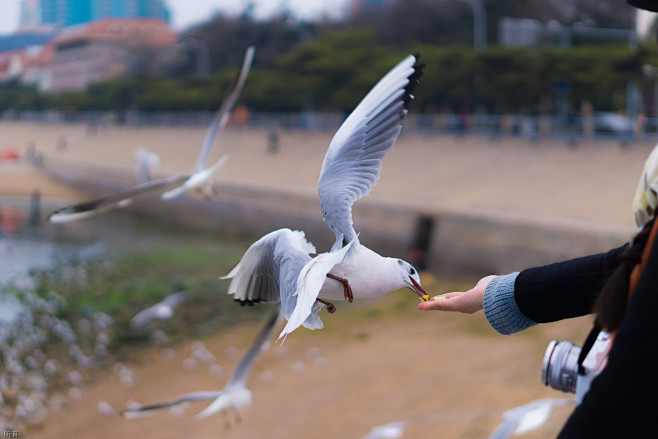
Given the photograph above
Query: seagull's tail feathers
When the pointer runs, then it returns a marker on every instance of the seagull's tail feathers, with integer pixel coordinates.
(309, 283)
(220, 403)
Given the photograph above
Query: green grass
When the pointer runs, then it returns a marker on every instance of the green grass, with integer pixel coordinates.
(123, 286)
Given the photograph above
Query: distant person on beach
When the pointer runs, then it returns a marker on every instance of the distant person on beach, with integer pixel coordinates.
(621, 288)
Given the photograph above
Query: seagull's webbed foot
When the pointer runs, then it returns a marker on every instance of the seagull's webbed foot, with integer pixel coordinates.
(346, 286)
(330, 306)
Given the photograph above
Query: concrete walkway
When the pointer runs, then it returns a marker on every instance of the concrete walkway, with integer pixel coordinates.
(500, 187)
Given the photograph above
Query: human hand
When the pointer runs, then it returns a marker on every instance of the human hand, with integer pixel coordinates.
(461, 301)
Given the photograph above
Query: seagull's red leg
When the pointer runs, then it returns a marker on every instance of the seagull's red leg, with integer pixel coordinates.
(330, 306)
(346, 286)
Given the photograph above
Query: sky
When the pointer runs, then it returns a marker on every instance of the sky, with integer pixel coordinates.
(188, 12)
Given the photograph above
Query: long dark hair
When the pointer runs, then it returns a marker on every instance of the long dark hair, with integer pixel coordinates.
(610, 305)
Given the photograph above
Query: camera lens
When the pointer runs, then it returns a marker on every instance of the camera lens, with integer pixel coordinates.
(560, 366)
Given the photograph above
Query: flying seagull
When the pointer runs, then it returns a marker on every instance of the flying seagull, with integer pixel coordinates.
(197, 184)
(235, 395)
(528, 417)
(162, 310)
(394, 430)
(645, 200)
(278, 267)
(145, 161)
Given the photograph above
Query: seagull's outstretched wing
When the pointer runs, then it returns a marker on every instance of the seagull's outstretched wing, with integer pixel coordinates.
(202, 175)
(353, 161)
(106, 203)
(224, 113)
(144, 316)
(261, 343)
(148, 410)
(175, 299)
(269, 270)
(238, 379)
(645, 200)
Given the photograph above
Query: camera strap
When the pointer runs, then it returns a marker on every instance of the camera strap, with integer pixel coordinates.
(587, 347)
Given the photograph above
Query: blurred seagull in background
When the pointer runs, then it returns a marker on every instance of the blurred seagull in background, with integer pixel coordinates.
(394, 430)
(278, 267)
(162, 310)
(197, 184)
(235, 395)
(145, 161)
(528, 417)
(645, 200)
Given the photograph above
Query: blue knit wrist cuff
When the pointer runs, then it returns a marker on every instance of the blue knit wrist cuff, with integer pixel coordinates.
(500, 307)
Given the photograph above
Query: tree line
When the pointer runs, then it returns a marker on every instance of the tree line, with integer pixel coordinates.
(330, 65)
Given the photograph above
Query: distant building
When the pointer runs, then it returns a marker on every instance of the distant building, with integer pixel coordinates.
(531, 32)
(63, 13)
(26, 38)
(30, 17)
(110, 48)
(37, 67)
(10, 65)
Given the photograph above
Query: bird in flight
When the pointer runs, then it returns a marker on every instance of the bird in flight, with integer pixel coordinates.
(198, 184)
(278, 267)
(235, 395)
(161, 310)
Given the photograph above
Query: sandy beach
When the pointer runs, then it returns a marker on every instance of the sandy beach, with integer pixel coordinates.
(448, 376)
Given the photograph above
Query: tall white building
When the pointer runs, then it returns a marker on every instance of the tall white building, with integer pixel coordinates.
(30, 17)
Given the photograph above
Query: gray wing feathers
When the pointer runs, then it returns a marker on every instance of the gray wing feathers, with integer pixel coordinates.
(182, 399)
(353, 161)
(269, 268)
(113, 201)
(260, 343)
(222, 116)
(175, 299)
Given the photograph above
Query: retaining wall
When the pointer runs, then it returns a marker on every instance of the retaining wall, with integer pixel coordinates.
(464, 242)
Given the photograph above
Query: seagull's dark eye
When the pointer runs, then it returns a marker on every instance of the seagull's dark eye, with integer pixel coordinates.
(412, 271)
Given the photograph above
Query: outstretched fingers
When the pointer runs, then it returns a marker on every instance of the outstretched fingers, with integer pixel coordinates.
(460, 301)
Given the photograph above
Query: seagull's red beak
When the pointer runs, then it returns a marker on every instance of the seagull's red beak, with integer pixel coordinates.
(418, 289)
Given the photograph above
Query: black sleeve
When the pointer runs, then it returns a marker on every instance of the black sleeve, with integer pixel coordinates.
(621, 401)
(564, 289)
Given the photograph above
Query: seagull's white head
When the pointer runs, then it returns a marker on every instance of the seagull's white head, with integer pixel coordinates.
(411, 279)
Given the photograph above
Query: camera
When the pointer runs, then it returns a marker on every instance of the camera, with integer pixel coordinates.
(562, 370)
(560, 366)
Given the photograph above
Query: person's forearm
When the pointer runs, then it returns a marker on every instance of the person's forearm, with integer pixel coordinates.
(564, 289)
